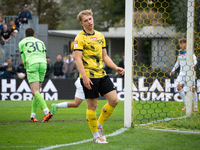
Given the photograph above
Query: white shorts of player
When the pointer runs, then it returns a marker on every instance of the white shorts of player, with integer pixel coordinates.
(181, 79)
(79, 89)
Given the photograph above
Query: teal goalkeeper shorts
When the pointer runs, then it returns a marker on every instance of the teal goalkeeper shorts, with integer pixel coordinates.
(36, 72)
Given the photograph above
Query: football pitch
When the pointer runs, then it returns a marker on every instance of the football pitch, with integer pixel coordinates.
(68, 129)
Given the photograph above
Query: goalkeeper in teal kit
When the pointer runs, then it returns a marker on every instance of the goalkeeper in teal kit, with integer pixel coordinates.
(33, 53)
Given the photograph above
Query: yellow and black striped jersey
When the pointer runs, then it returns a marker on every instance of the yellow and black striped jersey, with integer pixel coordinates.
(91, 45)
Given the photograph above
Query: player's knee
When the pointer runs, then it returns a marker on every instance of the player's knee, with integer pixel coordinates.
(114, 102)
(92, 107)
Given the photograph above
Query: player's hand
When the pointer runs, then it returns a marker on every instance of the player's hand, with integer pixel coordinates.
(120, 70)
(87, 82)
(171, 73)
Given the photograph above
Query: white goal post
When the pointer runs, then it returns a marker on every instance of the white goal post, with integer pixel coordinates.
(189, 56)
(128, 63)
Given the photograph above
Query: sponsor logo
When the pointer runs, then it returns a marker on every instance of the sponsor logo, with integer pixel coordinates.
(76, 43)
(152, 89)
(9, 91)
(93, 38)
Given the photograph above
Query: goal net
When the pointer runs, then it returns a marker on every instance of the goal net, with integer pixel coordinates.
(157, 28)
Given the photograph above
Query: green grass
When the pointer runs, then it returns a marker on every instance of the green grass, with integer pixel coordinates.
(149, 111)
(70, 125)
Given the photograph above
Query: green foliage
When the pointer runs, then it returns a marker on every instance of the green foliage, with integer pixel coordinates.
(11, 7)
(178, 15)
(47, 11)
(117, 58)
(106, 13)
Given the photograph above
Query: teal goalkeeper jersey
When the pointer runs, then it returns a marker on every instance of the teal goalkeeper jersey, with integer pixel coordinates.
(32, 51)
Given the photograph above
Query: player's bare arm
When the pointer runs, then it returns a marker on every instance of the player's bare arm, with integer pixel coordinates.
(108, 61)
(171, 73)
(86, 80)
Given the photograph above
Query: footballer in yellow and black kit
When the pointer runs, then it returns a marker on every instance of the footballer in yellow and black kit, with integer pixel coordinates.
(91, 45)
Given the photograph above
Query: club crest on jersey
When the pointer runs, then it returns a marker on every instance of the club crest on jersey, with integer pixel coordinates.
(75, 43)
(93, 38)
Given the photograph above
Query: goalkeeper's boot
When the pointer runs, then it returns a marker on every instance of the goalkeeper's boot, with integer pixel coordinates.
(47, 117)
(102, 136)
(54, 108)
(33, 119)
(99, 140)
(184, 109)
(195, 108)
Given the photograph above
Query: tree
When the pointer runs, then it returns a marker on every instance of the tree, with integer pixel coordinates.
(46, 10)
(114, 12)
(106, 13)
(11, 7)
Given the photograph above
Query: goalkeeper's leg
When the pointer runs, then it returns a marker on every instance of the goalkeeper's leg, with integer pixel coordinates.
(33, 110)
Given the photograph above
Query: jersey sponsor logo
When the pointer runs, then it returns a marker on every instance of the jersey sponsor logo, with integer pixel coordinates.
(76, 43)
(93, 38)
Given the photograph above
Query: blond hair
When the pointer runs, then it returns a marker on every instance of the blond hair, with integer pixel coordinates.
(84, 12)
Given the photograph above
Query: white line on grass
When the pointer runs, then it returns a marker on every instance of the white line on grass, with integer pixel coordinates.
(84, 141)
(165, 119)
(187, 132)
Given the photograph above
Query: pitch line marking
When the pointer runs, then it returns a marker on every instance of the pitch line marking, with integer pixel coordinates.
(84, 141)
(187, 132)
(168, 119)
(165, 119)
